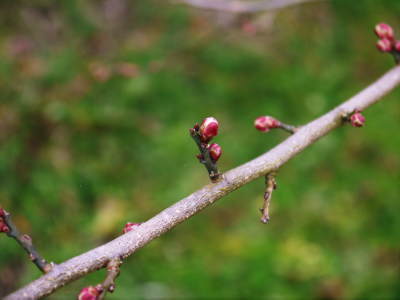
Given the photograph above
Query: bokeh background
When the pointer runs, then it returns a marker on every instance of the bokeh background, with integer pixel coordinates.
(96, 101)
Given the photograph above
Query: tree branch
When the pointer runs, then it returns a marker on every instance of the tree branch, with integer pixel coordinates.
(243, 6)
(130, 242)
(25, 241)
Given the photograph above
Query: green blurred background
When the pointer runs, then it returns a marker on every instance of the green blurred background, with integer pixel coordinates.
(96, 101)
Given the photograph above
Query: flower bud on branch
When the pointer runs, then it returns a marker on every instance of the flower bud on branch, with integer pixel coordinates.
(215, 151)
(129, 226)
(357, 119)
(266, 123)
(90, 293)
(208, 129)
(209, 154)
(387, 42)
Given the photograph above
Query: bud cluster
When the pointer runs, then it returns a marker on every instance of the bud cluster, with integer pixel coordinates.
(387, 41)
(3, 224)
(209, 153)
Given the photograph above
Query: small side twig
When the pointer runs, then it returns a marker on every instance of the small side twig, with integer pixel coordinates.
(99, 291)
(108, 284)
(289, 128)
(209, 154)
(25, 241)
(270, 184)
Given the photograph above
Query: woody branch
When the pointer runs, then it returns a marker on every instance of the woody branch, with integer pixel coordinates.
(130, 242)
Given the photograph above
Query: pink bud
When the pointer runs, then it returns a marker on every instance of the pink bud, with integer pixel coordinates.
(384, 31)
(208, 129)
(3, 226)
(215, 151)
(384, 45)
(265, 123)
(357, 119)
(89, 293)
(2, 212)
(129, 226)
(397, 46)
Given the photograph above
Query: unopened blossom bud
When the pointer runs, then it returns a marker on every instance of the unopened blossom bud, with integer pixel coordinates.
(384, 45)
(129, 226)
(384, 31)
(215, 151)
(89, 293)
(208, 129)
(357, 119)
(265, 123)
(3, 226)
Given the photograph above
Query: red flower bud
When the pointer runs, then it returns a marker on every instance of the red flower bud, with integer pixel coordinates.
(3, 226)
(384, 31)
(129, 226)
(384, 45)
(265, 123)
(2, 212)
(357, 119)
(215, 151)
(397, 46)
(89, 293)
(208, 129)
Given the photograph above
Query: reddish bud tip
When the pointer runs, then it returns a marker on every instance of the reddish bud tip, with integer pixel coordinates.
(2, 212)
(384, 45)
(265, 123)
(129, 226)
(215, 151)
(89, 293)
(397, 46)
(208, 129)
(357, 119)
(3, 226)
(384, 31)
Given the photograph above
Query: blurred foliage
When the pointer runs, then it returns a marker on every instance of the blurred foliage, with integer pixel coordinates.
(96, 101)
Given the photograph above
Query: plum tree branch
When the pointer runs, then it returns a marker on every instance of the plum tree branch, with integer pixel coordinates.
(243, 6)
(270, 161)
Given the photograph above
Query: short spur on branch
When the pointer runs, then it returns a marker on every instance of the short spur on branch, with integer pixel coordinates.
(209, 153)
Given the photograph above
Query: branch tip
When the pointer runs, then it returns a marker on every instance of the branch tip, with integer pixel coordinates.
(270, 186)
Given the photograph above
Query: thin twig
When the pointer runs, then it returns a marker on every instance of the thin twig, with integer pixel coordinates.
(130, 242)
(289, 128)
(243, 6)
(270, 186)
(25, 241)
(108, 284)
(205, 157)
